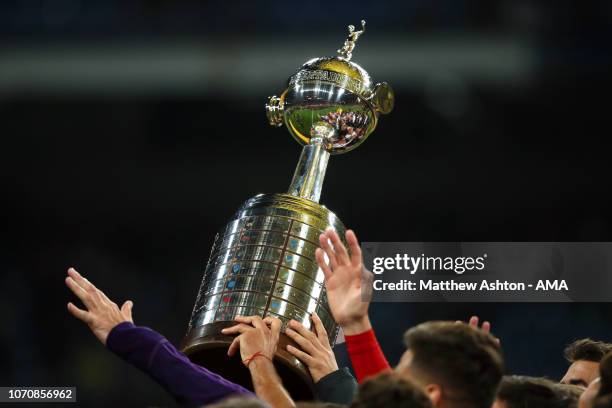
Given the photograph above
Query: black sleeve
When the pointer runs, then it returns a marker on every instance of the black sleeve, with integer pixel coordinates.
(338, 387)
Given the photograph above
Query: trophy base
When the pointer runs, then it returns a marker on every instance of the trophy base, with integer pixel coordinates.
(263, 264)
(207, 346)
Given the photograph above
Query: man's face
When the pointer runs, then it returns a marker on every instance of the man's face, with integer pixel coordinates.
(581, 372)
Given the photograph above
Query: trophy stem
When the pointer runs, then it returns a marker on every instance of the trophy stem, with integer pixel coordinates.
(309, 174)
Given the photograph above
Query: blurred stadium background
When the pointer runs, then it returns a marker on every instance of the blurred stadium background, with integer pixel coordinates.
(132, 130)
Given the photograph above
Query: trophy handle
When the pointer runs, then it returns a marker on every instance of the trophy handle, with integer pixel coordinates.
(383, 98)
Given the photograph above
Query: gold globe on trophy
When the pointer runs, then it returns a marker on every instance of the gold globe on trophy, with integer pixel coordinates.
(262, 262)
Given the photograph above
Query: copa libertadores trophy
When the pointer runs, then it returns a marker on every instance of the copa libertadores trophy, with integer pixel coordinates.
(262, 262)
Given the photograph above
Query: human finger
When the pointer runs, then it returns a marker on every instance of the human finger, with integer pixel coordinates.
(329, 250)
(78, 278)
(275, 324)
(354, 247)
(303, 342)
(486, 327)
(80, 314)
(341, 253)
(299, 327)
(319, 254)
(234, 346)
(89, 287)
(239, 328)
(255, 321)
(82, 294)
(320, 329)
(303, 357)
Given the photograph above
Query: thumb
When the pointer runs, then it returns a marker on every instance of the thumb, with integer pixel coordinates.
(126, 310)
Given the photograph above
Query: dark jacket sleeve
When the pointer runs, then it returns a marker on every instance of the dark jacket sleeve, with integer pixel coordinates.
(189, 383)
(338, 387)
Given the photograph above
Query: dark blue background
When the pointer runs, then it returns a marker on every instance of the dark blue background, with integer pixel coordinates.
(131, 188)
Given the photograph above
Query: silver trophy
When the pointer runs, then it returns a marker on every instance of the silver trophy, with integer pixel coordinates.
(263, 261)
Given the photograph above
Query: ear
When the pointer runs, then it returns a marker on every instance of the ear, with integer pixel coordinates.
(434, 392)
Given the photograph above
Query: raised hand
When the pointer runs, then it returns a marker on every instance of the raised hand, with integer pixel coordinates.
(102, 314)
(485, 327)
(316, 352)
(344, 275)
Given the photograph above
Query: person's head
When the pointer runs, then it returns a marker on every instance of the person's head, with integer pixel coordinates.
(390, 390)
(603, 387)
(599, 392)
(571, 393)
(605, 373)
(584, 356)
(523, 391)
(457, 365)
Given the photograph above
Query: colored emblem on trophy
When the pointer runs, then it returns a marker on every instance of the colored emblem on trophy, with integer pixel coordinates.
(262, 262)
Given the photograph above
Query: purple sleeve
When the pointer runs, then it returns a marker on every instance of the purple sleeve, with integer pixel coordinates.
(151, 352)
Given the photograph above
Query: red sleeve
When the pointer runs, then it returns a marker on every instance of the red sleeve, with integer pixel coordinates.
(366, 355)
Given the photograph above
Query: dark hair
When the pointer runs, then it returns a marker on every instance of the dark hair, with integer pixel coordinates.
(524, 391)
(466, 362)
(586, 349)
(605, 372)
(604, 395)
(318, 404)
(390, 390)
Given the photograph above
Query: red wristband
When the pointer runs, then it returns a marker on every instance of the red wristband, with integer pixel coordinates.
(248, 360)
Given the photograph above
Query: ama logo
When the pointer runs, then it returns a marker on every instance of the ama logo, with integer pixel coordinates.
(551, 285)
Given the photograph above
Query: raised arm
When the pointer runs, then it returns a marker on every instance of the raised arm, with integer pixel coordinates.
(146, 349)
(345, 279)
(257, 340)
